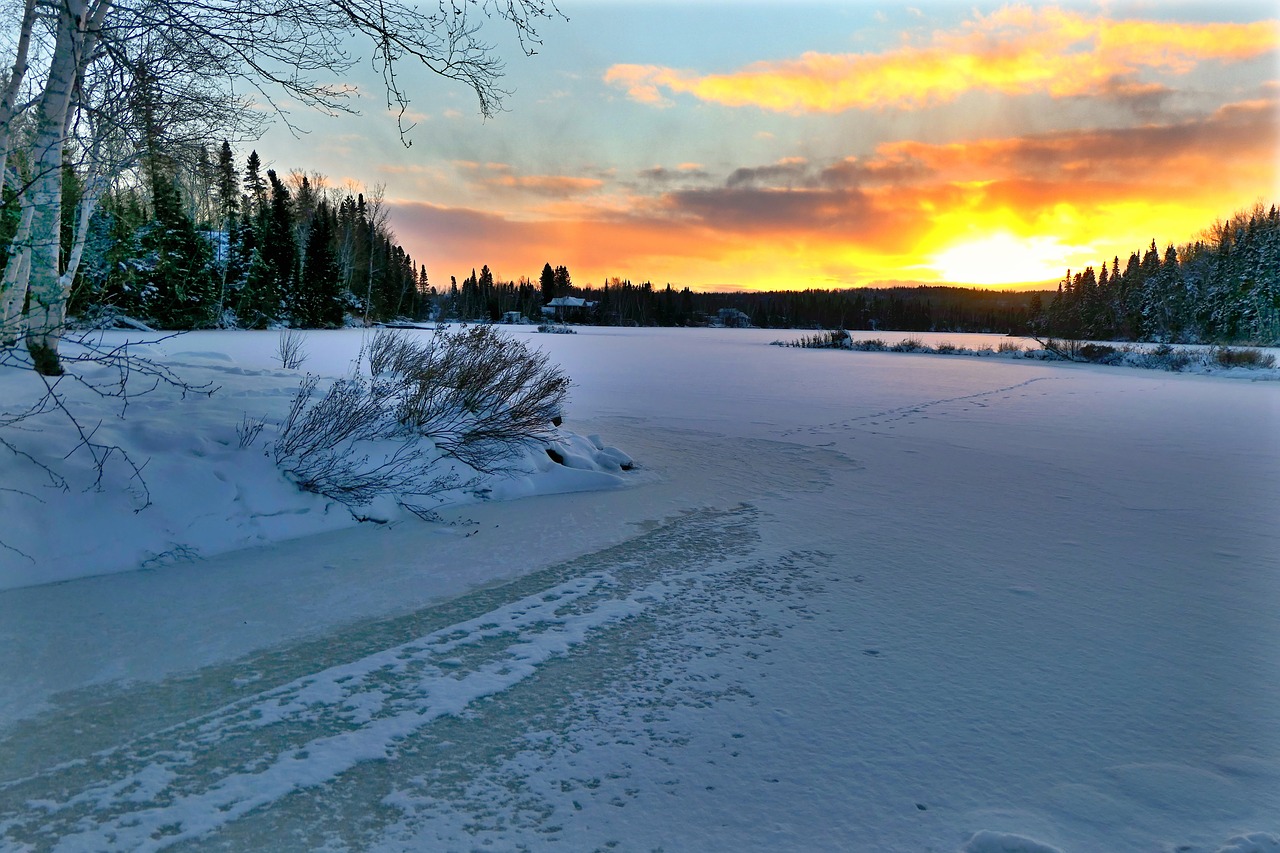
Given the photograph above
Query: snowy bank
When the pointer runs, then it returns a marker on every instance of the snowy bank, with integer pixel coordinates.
(179, 465)
(1256, 363)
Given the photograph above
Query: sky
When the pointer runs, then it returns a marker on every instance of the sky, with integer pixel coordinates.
(770, 145)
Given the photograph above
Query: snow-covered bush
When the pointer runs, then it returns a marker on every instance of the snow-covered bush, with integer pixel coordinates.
(475, 395)
(1163, 357)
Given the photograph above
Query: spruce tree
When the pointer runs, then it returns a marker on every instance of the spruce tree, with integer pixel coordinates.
(254, 187)
(177, 281)
(563, 282)
(548, 283)
(319, 302)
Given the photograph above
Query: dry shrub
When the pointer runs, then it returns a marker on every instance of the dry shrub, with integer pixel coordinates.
(837, 339)
(478, 394)
(321, 442)
(290, 350)
(1100, 354)
(1228, 357)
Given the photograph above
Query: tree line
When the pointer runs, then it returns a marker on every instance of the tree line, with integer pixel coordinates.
(222, 245)
(620, 302)
(1222, 288)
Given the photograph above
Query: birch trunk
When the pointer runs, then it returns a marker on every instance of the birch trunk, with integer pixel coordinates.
(19, 258)
(94, 189)
(46, 313)
(9, 98)
(14, 286)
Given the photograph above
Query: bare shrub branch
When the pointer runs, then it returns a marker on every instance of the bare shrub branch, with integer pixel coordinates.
(479, 395)
(290, 350)
(474, 395)
(320, 446)
(247, 431)
(110, 371)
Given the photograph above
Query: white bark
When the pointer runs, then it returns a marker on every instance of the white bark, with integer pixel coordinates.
(19, 257)
(77, 31)
(14, 287)
(93, 191)
(9, 98)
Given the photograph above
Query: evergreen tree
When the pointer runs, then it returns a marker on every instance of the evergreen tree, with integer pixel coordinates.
(228, 191)
(319, 301)
(269, 281)
(562, 280)
(255, 188)
(177, 283)
(547, 281)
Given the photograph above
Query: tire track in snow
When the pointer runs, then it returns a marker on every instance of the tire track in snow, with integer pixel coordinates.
(198, 777)
(628, 727)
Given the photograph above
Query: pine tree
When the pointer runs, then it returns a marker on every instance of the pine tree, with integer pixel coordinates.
(254, 187)
(563, 282)
(228, 193)
(548, 283)
(319, 302)
(177, 284)
(272, 269)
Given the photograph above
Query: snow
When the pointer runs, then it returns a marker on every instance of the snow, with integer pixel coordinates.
(844, 600)
(202, 491)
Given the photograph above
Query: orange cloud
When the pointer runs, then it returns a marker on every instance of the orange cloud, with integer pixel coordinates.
(553, 185)
(502, 176)
(1018, 50)
(1237, 141)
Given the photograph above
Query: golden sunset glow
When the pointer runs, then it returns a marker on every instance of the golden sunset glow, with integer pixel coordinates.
(1001, 259)
(851, 145)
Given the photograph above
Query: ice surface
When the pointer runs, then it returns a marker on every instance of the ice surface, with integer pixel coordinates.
(854, 601)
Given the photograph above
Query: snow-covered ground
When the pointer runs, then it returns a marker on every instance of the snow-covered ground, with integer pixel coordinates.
(855, 601)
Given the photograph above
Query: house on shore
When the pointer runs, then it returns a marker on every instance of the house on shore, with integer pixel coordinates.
(567, 309)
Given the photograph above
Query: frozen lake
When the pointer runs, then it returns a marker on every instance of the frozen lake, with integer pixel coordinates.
(849, 601)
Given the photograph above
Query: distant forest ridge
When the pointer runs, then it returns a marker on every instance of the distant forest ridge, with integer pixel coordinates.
(1221, 288)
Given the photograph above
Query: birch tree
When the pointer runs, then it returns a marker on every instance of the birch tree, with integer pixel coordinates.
(13, 85)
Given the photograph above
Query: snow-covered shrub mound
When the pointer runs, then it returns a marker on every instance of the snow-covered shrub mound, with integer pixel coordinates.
(159, 474)
(473, 395)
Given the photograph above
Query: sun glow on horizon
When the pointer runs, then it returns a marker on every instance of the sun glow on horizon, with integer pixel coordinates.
(1003, 259)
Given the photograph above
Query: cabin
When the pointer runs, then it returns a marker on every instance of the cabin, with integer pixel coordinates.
(567, 309)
